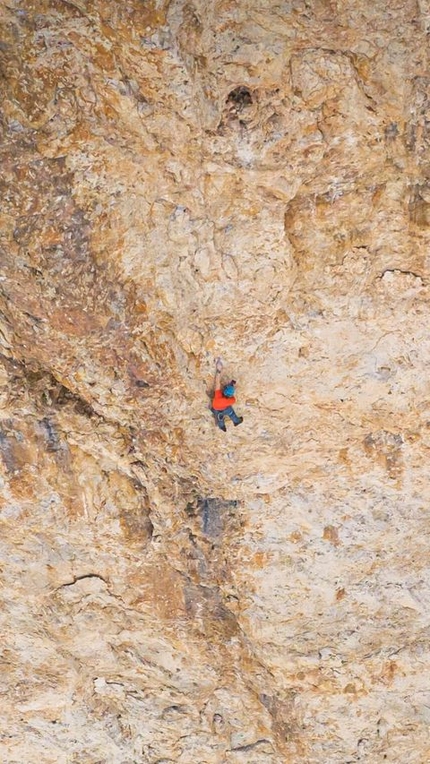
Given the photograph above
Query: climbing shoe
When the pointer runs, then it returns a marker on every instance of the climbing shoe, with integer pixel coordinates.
(239, 422)
(223, 427)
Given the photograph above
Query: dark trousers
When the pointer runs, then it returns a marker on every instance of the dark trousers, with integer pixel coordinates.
(229, 411)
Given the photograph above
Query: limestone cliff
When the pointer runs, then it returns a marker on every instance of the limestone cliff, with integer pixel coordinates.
(181, 180)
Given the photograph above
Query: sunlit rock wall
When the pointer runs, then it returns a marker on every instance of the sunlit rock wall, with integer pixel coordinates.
(179, 181)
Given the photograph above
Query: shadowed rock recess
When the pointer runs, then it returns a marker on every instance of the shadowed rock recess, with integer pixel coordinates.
(182, 180)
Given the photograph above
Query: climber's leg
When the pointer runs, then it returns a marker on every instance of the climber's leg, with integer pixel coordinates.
(233, 416)
(219, 417)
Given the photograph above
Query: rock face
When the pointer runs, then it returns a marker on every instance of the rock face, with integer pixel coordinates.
(181, 180)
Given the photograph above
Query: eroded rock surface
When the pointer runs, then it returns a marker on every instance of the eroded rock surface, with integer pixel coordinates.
(181, 180)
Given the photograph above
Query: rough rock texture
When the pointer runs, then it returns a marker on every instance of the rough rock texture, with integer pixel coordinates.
(178, 180)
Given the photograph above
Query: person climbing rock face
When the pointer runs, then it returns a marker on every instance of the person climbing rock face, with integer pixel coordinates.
(222, 402)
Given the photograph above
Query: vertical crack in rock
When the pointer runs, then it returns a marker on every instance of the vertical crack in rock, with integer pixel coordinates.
(214, 516)
(219, 520)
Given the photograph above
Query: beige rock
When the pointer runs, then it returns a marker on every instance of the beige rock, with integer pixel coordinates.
(181, 181)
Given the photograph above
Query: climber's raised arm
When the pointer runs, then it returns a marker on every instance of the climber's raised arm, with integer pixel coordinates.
(218, 370)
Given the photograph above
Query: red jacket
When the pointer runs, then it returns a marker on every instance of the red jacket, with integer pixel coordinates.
(220, 402)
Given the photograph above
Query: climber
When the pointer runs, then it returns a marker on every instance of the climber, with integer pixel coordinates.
(223, 400)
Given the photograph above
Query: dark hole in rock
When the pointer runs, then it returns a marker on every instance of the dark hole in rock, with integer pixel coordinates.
(7, 452)
(51, 435)
(190, 509)
(214, 514)
(240, 96)
(83, 407)
(391, 131)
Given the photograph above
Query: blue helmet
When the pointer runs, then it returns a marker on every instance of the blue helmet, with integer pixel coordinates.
(228, 391)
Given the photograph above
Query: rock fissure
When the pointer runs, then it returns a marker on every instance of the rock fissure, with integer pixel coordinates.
(83, 577)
